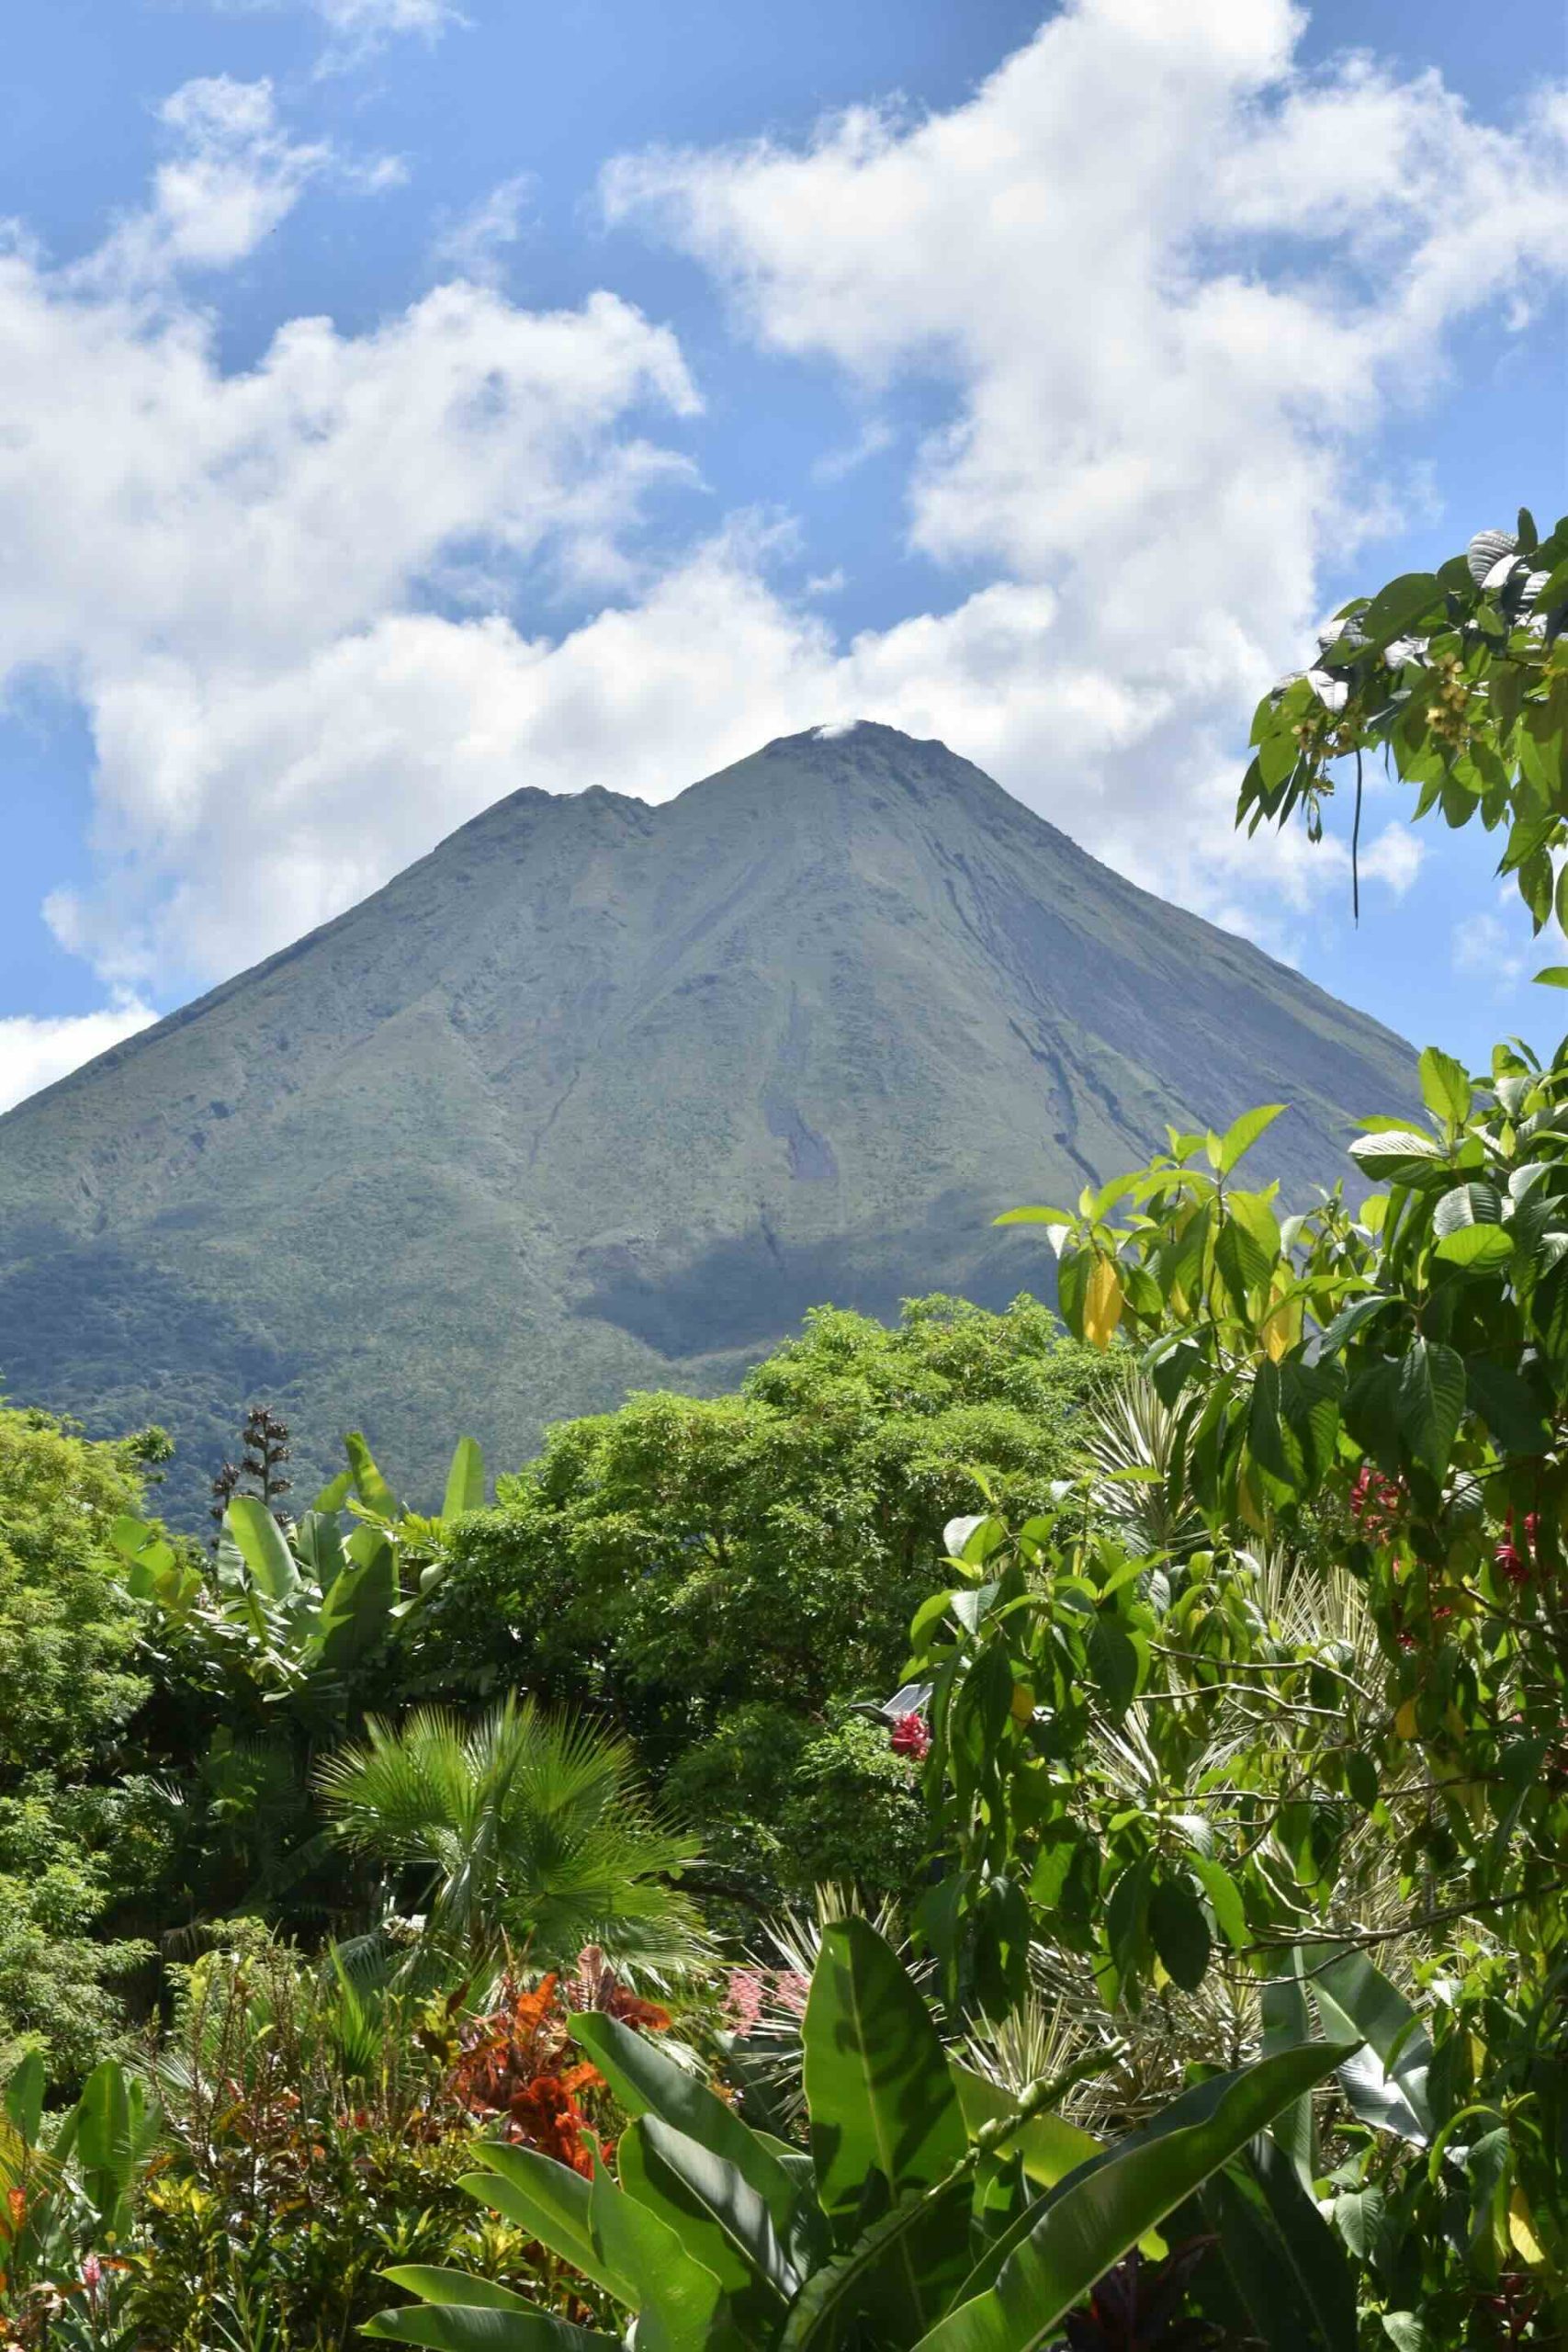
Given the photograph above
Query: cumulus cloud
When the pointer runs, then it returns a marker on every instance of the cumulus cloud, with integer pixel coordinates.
(1170, 287)
(233, 175)
(34, 1053)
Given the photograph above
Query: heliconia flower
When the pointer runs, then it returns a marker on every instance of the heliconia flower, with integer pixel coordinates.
(911, 1736)
(92, 2276)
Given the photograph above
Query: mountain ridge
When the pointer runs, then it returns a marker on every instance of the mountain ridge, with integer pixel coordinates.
(655, 1076)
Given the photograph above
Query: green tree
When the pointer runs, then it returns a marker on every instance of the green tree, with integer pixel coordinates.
(703, 1568)
(70, 1843)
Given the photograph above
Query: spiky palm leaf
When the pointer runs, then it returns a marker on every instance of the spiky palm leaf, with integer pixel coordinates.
(529, 1832)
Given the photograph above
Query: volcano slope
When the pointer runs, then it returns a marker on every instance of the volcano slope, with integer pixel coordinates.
(603, 1095)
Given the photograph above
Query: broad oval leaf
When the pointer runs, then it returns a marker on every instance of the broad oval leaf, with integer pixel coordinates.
(647, 2082)
(479, 2328)
(465, 1480)
(884, 2117)
(262, 1547)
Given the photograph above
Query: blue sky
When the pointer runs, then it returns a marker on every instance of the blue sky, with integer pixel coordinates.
(404, 403)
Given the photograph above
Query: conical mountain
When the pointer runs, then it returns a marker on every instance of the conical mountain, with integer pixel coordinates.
(603, 1095)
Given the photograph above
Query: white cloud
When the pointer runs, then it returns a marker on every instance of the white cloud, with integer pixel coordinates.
(360, 24)
(34, 1053)
(1174, 285)
(476, 246)
(234, 175)
(1172, 297)
(1495, 948)
(188, 548)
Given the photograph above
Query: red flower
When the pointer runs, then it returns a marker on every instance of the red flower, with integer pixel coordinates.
(911, 1736)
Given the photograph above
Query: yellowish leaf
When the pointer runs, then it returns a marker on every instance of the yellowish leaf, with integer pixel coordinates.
(1022, 1702)
(1521, 2228)
(1282, 1328)
(1404, 1720)
(1102, 1303)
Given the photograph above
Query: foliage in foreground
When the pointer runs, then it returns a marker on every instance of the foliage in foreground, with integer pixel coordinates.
(914, 2216)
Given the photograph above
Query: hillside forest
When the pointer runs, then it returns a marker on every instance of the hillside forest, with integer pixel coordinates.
(1039, 1828)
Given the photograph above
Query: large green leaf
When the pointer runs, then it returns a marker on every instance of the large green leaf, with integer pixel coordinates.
(1430, 1401)
(354, 1612)
(886, 2121)
(262, 1547)
(647, 2082)
(465, 1480)
(551, 2202)
(1385, 2080)
(899, 2274)
(369, 1485)
(456, 2289)
(480, 2328)
(23, 2097)
(679, 2302)
(718, 2217)
(1089, 2223)
(1243, 1132)
(1285, 2263)
(1287, 2025)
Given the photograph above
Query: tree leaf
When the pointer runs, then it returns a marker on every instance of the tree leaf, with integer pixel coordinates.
(1513, 1412)
(465, 1480)
(1180, 1932)
(262, 1547)
(1478, 1248)
(1430, 1400)
(886, 2120)
(1399, 1155)
(1243, 1132)
(1445, 1087)
(1093, 2219)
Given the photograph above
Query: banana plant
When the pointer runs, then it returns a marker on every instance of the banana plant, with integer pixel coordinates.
(912, 2223)
(308, 1597)
(70, 2189)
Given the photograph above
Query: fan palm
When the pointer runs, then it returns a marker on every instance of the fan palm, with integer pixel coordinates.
(519, 1832)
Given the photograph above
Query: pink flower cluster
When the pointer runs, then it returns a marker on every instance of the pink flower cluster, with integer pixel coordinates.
(911, 1736)
(1375, 1503)
(747, 1993)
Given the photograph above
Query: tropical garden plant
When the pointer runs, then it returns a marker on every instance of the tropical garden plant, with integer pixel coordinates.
(516, 1832)
(1153, 1756)
(928, 2212)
